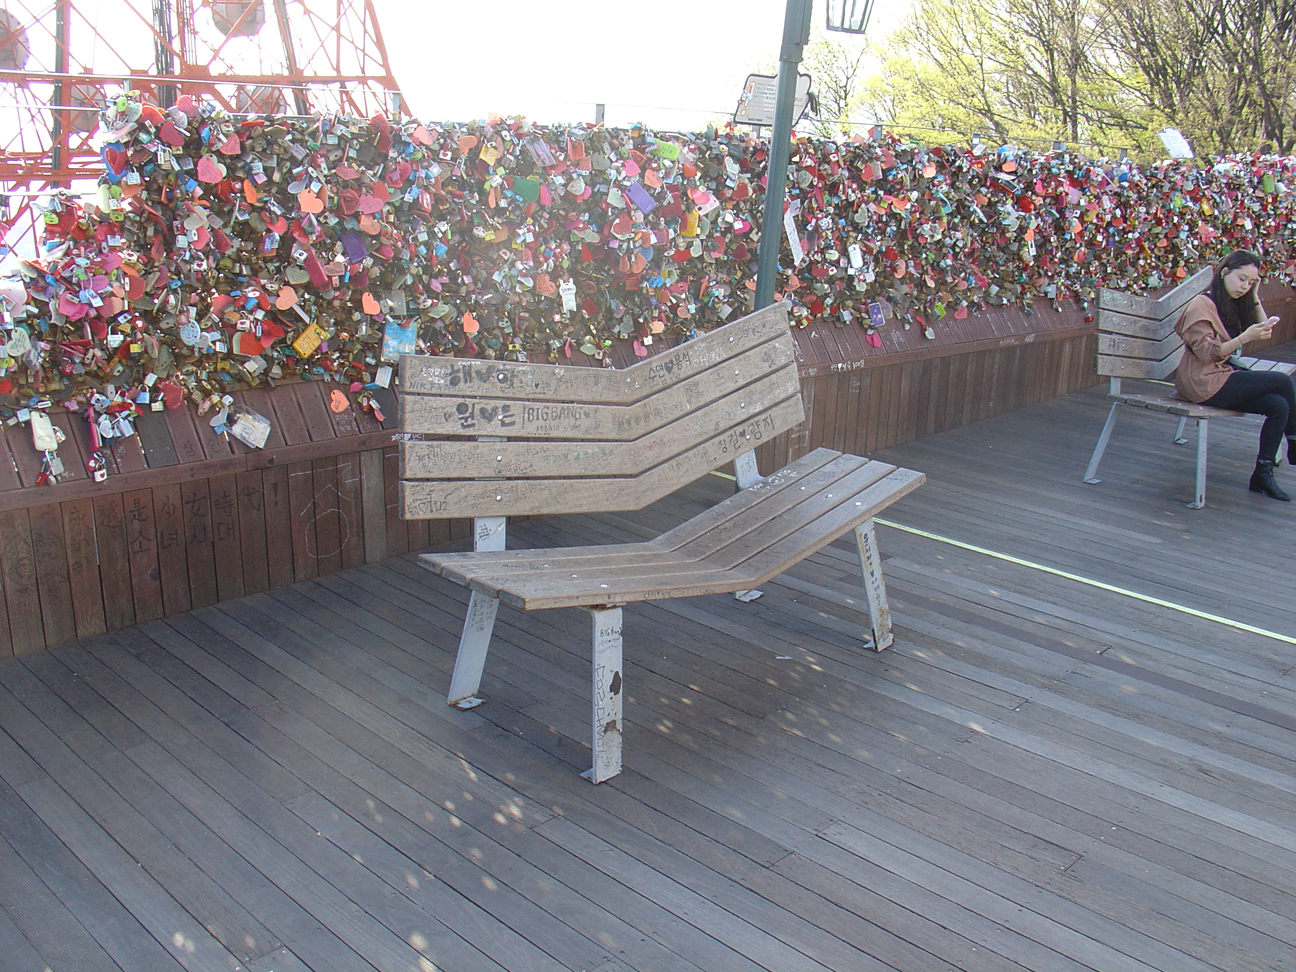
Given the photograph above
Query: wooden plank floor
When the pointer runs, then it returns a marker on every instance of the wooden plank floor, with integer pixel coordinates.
(1041, 774)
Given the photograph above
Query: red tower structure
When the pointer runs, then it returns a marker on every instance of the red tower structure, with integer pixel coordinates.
(59, 63)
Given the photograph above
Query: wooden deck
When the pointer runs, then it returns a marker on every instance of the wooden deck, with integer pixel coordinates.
(1042, 775)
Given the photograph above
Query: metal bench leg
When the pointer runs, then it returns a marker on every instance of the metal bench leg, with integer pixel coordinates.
(746, 472)
(1200, 500)
(488, 534)
(473, 644)
(607, 694)
(874, 587)
(1179, 437)
(1091, 474)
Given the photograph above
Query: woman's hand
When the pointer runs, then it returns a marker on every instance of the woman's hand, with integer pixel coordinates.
(1258, 332)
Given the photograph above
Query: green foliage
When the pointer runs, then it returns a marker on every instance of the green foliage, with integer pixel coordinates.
(1096, 74)
(837, 68)
(1014, 71)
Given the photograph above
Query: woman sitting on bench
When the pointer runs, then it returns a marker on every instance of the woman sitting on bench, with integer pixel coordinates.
(1214, 327)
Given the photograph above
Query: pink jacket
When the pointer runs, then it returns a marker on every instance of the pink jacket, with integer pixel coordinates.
(1203, 369)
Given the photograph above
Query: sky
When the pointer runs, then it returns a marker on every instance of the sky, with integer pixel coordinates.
(673, 64)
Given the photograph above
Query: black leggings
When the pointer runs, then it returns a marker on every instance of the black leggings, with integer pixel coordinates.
(1268, 393)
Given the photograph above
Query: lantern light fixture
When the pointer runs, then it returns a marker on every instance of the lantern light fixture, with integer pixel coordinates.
(849, 16)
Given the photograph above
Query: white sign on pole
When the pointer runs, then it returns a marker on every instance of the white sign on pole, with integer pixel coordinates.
(1175, 143)
(760, 96)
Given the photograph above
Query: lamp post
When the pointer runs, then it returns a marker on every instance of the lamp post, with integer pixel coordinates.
(796, 33)
(848, 16)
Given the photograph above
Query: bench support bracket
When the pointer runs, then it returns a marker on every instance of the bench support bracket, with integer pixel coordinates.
(473, 644)
(488, 534)
(608, 707)
(874, 587)
(1199, 498)
(745, 470)
(1091, 474)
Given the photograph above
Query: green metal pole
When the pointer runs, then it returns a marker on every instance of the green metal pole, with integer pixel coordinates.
(796, 34)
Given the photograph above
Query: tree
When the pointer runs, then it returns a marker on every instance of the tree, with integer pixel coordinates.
(1014, 70)
(1097, 72)
(837, 70)
(1223, 71)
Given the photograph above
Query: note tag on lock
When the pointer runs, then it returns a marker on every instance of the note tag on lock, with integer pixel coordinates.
(568, 291)
(399, 339)
(44, 437)
(249, 427)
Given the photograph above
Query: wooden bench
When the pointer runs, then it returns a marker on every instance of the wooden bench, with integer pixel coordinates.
(526, 439)
(1137, 340)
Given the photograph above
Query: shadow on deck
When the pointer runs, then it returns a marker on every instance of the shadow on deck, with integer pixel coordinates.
(1042, 774)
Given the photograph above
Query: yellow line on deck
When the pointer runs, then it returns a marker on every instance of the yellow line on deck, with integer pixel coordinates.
(1147, 598)
(1171, 605)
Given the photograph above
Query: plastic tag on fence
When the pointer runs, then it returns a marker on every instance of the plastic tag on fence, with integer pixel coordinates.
(249, 427)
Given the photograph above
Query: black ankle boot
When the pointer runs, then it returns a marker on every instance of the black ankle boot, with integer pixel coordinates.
(1262, 481)
(1291, 450)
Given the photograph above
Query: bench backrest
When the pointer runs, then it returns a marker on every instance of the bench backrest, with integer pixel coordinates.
(527, 439)
(1136, 334)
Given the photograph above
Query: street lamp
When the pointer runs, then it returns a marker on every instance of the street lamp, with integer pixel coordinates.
(796, 34)
(849, 16)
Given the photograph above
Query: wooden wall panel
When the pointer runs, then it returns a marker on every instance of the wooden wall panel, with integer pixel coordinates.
(49, 555)
(351, 511)
(397, 536)
(254, 554)
(139, 522)
(114, 561)
(18, 570)
(227, 549)
(195, 516)
(373, 501)
(301, 503)
(85, 586)
(95, 561)
(278, 521)
(173, 561)
(328, 516)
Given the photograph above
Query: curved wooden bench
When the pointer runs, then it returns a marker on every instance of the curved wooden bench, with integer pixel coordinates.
(1137, 339)
(536, 439)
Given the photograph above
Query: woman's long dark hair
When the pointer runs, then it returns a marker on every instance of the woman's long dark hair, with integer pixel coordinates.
(1236, 315)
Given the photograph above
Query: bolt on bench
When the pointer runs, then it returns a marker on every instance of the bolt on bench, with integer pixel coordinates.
(544, 439)
(1137, 339)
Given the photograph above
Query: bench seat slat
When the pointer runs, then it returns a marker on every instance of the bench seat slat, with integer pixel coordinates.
(1140, 305)
(1110, 366)
(529, 497)
(793, 511)
(533, 459)
(527, 417)
(808, 469)
(1124, 346)
(667, 574)
(1148, 328)
(728, 522)
(1266, 364)
(1175, 406)
(768, 562)
(742, 551)
(560, 559)
(503, 379)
